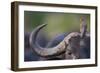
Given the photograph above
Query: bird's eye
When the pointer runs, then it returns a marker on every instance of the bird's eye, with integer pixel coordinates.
(69, 40)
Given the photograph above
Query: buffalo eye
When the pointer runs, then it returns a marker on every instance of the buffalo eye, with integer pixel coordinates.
(69, 53)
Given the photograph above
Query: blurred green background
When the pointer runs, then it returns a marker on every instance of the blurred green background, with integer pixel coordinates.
(57, 22)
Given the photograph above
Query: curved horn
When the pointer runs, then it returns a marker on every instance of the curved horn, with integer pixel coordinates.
(45, 52)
